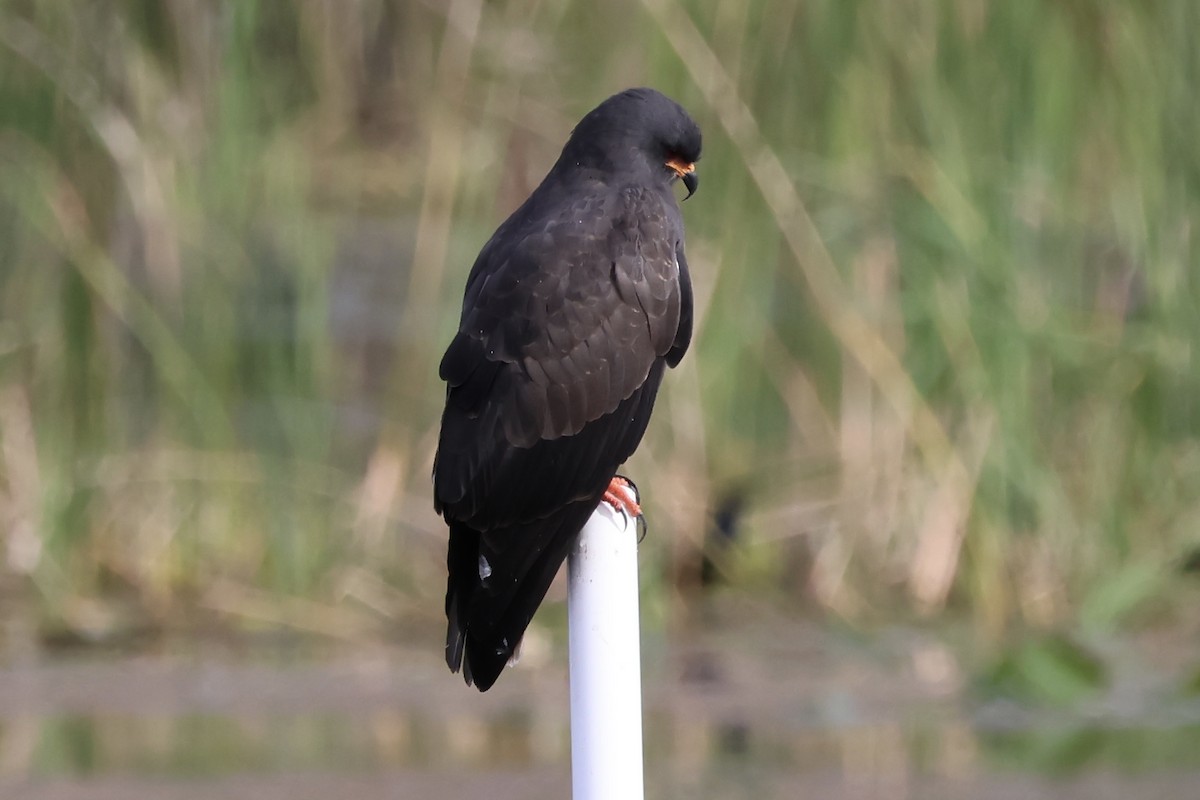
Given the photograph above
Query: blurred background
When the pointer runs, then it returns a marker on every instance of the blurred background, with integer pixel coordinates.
(924, 498)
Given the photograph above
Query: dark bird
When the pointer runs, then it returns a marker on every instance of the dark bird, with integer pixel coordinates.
(573, 309)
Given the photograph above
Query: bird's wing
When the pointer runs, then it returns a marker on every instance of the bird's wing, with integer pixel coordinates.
(561, 323)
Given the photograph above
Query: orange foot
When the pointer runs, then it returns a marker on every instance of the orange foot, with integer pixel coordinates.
(617, 496)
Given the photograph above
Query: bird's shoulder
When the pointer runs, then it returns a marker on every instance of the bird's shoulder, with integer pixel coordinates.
(570, 234)
(572, 217)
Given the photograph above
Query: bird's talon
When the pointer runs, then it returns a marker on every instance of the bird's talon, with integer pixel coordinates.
(620, 501)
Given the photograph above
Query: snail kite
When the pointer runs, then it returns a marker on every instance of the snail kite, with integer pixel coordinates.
(573, 309)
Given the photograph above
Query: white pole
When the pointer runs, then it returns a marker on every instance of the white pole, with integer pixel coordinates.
(605, 660)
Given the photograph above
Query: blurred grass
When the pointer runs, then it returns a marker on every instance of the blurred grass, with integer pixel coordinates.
(944, 260)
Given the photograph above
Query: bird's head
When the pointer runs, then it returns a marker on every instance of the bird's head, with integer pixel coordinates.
(642, 130)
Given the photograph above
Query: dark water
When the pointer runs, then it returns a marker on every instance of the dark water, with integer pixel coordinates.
(778, 711)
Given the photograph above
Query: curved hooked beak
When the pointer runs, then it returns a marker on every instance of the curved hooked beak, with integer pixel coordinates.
(691, 180)
(687, 171)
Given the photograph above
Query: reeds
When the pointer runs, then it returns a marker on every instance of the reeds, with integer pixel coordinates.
(944, 261)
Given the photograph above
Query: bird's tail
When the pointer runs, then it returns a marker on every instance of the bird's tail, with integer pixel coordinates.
(490, 600)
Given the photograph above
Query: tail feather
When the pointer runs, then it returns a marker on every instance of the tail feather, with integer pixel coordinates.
(487, 616)
(455, 638)
(460, 556)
